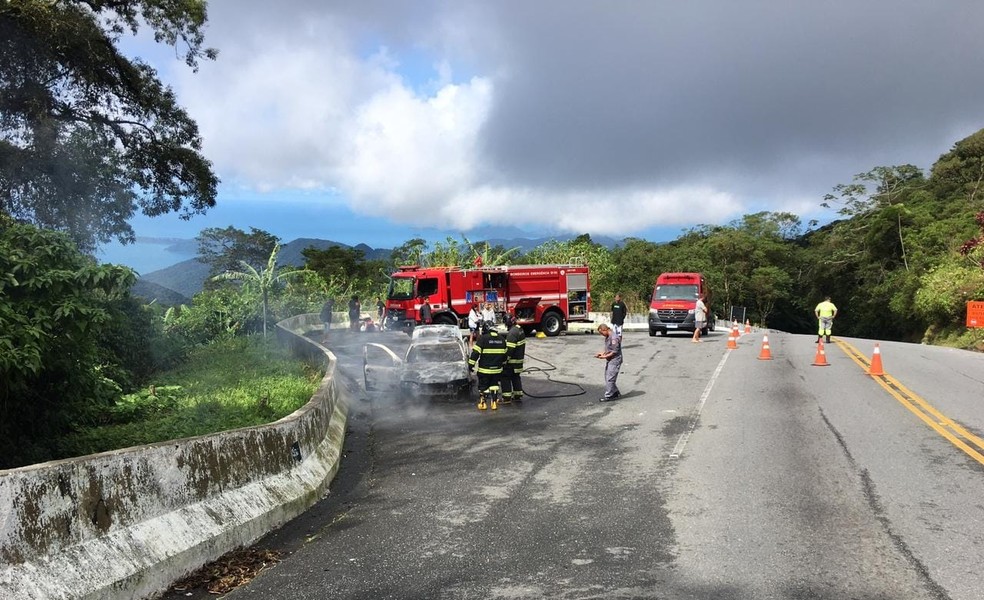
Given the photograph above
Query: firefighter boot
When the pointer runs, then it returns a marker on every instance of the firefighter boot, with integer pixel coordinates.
(828, 338)
(493, 398)
(506, 398)
(481, 402)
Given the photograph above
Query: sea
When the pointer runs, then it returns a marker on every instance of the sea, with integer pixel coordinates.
(147, 255)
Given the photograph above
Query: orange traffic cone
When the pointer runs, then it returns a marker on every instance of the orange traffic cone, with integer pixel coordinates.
(876, 364)
(748, 326)
(733, 339)
(766, 353)
(821, 358)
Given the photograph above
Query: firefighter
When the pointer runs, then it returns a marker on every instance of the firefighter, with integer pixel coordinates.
(512, 383)
(487, 358)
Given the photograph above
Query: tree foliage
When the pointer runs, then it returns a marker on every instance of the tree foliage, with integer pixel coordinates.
(87, 135)
(223, 249)
(261, 281)
(55, 304)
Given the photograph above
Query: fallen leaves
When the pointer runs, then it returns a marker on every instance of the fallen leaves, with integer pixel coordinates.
(230, 571)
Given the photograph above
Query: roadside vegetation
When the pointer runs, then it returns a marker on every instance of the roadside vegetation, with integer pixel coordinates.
(87, 138)
(228, 384)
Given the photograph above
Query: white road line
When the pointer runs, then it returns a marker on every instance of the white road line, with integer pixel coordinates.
(695, 416)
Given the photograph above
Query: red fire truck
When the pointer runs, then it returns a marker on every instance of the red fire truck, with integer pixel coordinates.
(543, 297)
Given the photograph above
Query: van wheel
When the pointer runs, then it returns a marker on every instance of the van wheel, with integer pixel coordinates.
(551, 324)
(652, 333)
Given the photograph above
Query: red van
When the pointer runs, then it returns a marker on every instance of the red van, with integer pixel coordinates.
(674, 298)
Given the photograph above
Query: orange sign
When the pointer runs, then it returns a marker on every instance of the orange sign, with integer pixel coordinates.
(975, 314)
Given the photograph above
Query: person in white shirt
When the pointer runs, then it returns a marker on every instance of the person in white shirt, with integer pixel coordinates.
(488, 314)
(474, 323)
(700, 317)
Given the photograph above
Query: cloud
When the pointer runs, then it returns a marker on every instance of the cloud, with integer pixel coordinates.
(608, 119)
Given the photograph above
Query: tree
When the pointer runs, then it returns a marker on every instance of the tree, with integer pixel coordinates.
(410, 252)
(490, 256)
(55, 304)
(223, 249)
(336, 264)
(960, 172)
(639, 263)
(262, 280)
(768, 285)
(87, 135)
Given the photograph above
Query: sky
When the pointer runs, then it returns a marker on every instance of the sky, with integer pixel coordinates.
(378, 121)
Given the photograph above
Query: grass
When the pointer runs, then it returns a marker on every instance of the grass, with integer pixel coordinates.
(956, 336)
(228, 384)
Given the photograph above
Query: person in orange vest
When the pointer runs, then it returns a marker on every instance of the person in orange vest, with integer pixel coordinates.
(825, 311)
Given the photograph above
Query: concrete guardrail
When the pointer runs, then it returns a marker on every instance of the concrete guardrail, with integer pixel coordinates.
(128, 523)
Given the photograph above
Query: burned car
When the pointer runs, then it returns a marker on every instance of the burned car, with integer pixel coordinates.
(435, 365)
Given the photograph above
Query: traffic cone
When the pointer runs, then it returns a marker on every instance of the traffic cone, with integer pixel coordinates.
(821, 358)
(733, 339)
(766, 353)
(748, 326)
(876, 364)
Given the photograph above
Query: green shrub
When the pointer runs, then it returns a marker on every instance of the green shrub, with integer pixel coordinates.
(230, 383)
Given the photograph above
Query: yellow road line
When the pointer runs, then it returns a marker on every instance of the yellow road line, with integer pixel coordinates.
(940, 423)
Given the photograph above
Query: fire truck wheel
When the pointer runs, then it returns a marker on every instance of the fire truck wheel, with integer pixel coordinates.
(551, 324)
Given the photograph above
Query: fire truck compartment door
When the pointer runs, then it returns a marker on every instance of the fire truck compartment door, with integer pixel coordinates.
(526, 309)
(381, 368)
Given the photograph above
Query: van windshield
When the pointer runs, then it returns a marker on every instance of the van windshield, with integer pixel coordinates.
(675, 292)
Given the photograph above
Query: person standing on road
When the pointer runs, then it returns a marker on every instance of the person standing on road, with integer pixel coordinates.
(619, 311)
(326, 315)
(425, 310)
(825, 312)
(612, 355)
(700, 317)
(512, 383)
(354, 310)
(488, 356)
(474, 323)
(380, 311)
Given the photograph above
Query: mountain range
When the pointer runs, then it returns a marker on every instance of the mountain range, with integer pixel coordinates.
(178, 283)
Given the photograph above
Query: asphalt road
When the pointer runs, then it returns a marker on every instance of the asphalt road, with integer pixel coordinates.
(716, 475)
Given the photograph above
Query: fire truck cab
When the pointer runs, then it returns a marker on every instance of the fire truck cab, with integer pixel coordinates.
(544, 297)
